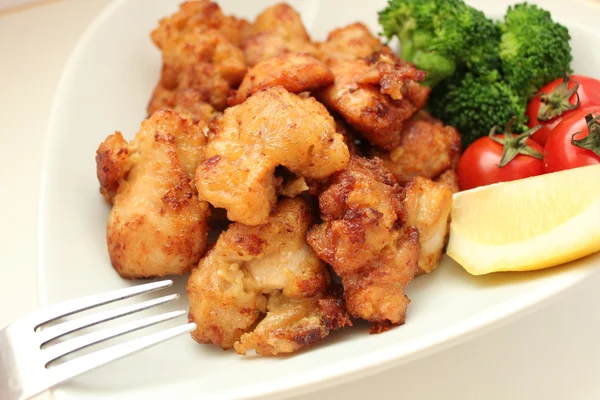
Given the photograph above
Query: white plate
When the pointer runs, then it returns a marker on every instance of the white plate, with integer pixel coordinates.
(105, 86)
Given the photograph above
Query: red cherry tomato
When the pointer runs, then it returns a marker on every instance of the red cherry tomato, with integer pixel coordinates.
(558, 100)
(479, 164)
(560, 153)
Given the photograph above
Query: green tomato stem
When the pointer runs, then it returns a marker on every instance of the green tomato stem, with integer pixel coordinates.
(558, 102)
(514, 145)
(592, 140)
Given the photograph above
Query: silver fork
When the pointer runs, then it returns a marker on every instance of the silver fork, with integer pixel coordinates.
(24, 360)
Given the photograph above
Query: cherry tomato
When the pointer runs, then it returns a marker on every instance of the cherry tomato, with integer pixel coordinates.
(560, 153)
(479, 165)
(558, 100)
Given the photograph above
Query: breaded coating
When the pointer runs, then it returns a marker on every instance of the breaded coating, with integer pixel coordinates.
(296, 72)
(204, 60)
(375, 95)
(277, 30)
(264, 271)
(272, 127)
(364, 240)
(203, 15)
(157, 225)
(428, 206)
(112, 164)
(293, 187)
(427, 148)
(189, 102)
(350, 136)
(352, 41)
(450, 179)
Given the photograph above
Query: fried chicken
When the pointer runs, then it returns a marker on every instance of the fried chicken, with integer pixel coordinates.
(203, 60)
(272, 127)
(364, 239)
(428, 206)
(351, 42)
(186, 101)
(200, 52)
(427, 148)
(266, 271)
(350, 137)
(203, 15)
(375, 95)
(157, 225)
(277, 30)
(296, 72)
(450, 179)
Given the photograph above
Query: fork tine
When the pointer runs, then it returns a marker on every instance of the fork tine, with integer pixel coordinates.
(84, 322)
(81, 342)
(90, 361)
(70, 307)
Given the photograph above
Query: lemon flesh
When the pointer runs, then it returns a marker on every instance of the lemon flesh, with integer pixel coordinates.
(528, 224)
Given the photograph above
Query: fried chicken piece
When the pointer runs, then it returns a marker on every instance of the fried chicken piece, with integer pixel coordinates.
(352, 41)
(204, 60)
(277, 30)
(199, 14)
(111, 164)
(363, 239)
(375, 96)
(296, 72)
(374, 90)
(187, 101)
(450, 179)
(293, 188)
(200, 52)
(427, 148)
(264, 271)
(428, 206)
(272, 127)
(157, 225)
(349, 135)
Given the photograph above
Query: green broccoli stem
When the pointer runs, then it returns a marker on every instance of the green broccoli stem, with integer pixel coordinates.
(558, 101)
(408, 50)
(514, 145)
(592, 140)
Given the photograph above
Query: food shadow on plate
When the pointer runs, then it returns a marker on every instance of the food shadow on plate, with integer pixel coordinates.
(495, 280)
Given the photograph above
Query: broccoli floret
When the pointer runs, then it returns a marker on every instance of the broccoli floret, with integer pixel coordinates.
(440, 35)
(534, 50)
(474, 104)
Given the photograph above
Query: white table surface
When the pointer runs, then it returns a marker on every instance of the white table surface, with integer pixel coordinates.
(552, 353)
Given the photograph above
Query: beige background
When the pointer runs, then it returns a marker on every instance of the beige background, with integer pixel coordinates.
(551, 354)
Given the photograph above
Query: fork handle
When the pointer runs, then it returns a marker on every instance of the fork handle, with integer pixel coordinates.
(11, 387)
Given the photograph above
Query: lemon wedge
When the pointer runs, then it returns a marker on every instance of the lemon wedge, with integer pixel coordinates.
(528, 224)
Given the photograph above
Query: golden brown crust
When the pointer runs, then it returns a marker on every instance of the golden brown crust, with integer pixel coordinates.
(273, 127)
(363, 239)
(157, 225)
(292, 324)
(266, 270)
(351, 41)
(428, 206)
(427, 148)
(375, 96)
(277, 30)
(376, 293)
(350, 136)
(203, 15)
(111, 164)
(374, 90)
(296, 72)
(450, 179)
(203, 60)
